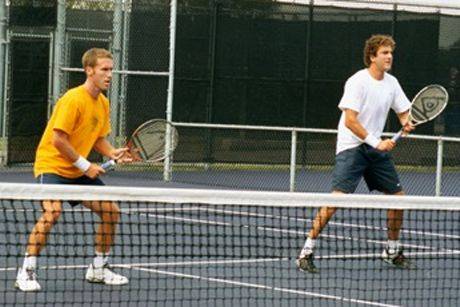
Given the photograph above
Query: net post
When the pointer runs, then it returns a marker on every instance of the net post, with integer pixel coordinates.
(439, 161)
(293, 161)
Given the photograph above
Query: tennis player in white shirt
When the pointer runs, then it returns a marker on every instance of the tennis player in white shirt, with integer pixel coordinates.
(361, 152)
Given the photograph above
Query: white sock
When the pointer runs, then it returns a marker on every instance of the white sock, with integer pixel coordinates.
(30, 262)
(393, 246)
(100, 260)
(309, 246)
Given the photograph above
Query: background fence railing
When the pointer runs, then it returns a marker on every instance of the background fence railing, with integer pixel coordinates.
(245, 150)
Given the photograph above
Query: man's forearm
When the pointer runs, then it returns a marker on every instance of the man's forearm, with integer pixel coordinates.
(403, 117)
(104, 147)
(62, 144)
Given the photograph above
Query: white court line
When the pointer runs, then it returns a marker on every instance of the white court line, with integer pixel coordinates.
(233, 261)
(240, 213)
(266, 287)
(204, 262)
(241, 261)
(280, 230)
(379, 255)
(157, 264)
(232, 212)
(224, 281)
(252, 214)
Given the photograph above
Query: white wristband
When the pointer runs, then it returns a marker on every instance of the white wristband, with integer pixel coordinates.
(82, 164)
(372, 140)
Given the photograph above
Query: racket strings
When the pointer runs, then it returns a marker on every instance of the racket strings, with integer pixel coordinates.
(428, 104)
(150, 142)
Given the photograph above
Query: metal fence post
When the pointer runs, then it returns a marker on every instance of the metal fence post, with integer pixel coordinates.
(169, 104)
(59, 42)
(117, 59)
(212, 79)
(292, 164)
(439, 157)
(124, 66)
(3, 42)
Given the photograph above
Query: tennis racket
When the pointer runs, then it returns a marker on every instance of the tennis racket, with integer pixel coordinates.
(147, 143)
(426, 105)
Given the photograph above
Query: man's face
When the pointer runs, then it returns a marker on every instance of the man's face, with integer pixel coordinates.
(383, 59)
(101, 73)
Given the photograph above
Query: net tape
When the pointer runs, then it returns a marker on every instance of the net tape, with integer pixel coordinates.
(227, 197)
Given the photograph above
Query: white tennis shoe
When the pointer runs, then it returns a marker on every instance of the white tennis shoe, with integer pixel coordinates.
(27, 280)
(105, 276)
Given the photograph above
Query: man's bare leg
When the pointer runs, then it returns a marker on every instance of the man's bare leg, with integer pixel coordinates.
(393, 253)
(26, 279)
(109, 215)
(305, 259)
(99, 271)
(37, 240)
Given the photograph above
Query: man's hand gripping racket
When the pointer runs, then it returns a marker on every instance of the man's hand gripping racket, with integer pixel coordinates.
(148, 142)
(426, 105)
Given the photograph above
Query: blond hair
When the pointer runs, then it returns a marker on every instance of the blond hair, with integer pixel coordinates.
(90, 57)
(373, 44)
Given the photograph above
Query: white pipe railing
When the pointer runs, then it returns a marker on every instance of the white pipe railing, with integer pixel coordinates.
(295, 130)
(448, 7)
(437, 4)
(123, 72)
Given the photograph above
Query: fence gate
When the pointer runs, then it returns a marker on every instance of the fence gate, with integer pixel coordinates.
(29, 65)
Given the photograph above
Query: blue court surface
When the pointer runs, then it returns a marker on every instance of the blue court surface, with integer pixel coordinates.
(317, 181)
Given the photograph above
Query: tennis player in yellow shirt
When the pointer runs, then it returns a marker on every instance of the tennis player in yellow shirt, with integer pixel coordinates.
(80, 122)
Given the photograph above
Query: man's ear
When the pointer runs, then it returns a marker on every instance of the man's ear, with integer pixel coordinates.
(372, 58)
(89, 71)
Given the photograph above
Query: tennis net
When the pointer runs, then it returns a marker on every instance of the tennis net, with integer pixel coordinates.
(221, 247)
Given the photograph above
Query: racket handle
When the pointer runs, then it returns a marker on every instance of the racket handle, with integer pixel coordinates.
(397, 136)
(109, 165)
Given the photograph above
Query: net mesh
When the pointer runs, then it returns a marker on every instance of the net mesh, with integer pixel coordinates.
(211, 247)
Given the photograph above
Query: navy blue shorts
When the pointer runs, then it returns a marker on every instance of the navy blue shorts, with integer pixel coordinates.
(376, 167)
(49, 178)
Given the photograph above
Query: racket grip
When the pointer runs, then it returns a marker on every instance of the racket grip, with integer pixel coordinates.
(109, 165)
(397, 136)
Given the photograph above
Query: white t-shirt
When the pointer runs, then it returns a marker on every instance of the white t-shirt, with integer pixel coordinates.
(372, 99)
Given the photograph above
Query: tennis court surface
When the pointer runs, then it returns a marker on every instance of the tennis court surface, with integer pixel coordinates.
(184, 247)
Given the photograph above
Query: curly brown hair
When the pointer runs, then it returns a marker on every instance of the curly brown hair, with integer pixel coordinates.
(90, 57)
(373, 44)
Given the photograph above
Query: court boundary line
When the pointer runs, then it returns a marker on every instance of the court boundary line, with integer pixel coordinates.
(229, 261)
(266, 287)
(146, 267)
(224, 281)
(247, 213)
(281, 230)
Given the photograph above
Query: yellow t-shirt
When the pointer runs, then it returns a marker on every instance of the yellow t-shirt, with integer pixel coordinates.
(84, 119)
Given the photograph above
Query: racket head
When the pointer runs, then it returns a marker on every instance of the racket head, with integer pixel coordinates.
(148, 141)
(428, 104)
